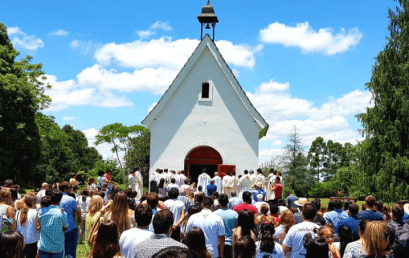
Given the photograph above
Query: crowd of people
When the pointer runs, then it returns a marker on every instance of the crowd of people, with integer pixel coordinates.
(176, 218)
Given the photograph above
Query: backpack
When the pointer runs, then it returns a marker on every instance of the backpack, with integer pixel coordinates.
(93, 231)
(401, 245)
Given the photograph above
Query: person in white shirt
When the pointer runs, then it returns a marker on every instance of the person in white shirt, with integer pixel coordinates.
(83, 200)
(212, 226)
(139, 182)
(252, 177)
(177, 178)
(203, 179)
(131, 237)
(294, 240)
(178, 209)
(167, 175)
(25, 223)
(281, 178)
(235, 181)
(226, 183)
(132, 180)
(260, 178)
(182, 177)
(91, 185)
(154, 176)
(41, 193)
(244, 183)
(267, 185)
(261, 202)
(218, 182)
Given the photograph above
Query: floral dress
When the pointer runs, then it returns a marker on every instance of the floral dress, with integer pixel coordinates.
(354, 250)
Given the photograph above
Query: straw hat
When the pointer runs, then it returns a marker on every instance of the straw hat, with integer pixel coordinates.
(406, 208)
(258, 185)
(301, 201)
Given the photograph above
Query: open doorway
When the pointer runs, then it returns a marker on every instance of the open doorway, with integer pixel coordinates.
(199, 158)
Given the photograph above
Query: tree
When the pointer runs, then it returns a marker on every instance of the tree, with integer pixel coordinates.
(385, 163)
(21, 97)
(316, 156)
(297, 176)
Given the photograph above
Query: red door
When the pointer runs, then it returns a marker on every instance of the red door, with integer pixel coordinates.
(202, 156)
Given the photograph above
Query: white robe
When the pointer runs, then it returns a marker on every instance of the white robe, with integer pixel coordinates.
(180, 179)
(228, 182)
(245, 184)
(155, 177)
(267, 187)
(218, 182)
(139, 184)
(260, 179)
(253, 179)
(203, 180)
(132, 182)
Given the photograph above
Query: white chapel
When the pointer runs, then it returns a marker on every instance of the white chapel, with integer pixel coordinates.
(204, 119)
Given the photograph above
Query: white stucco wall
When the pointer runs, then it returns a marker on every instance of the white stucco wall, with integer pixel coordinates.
(185, 123)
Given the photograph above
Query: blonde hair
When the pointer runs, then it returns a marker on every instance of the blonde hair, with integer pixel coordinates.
(287, 219)
(95, 204)
(323, 229)
(375, 238)
(263, 211)
(5, 197)
(28, 203)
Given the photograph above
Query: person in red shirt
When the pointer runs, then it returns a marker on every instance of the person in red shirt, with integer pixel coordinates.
(278, 189)
(246, 205)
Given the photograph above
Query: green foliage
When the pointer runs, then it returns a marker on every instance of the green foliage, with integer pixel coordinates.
(296, 175)
(138, 154)
(287, 190)
(21, 97)
(384, 163)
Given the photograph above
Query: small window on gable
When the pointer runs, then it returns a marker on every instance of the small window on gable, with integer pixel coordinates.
(205, 90)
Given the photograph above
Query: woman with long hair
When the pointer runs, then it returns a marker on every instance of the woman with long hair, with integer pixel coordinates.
(120, 212)
(162, 189)
(20, 203)
(104, 189)
(25, 223)
(12, 244)
(6, 210)
(107, 241)
(263, 217)
(193, 209)
(83, 201)
(245, 227)
(327, 232)
(93, 208)
(373, 241)
(196, 242)
(286, 222)
(345, 237)
(91, 184)
(244, 247)
(268, 248)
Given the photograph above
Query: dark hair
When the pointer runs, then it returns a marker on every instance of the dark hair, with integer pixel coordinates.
(161, 183)
(12, 244)
(162, 221)
(175, 252)
(56, 196)
(131, 204)
(246, 171)
(346, 205)
(267, 238)
(199, 198)
(100, 173)
(215, 194)
(143, 215)
(397, 212)
(370, 201)
(72, 195)
(134, 194)
(172, 180)
(73, 174)
(84, 194)
(107, 240)
(331, 206)
(128, 192)
(200, 188)
(186, 181)
(245, 247)
(259, 170)
(108, 171)
(281, 202)
(246, 196)
(353, 209)
(223, 200)
(246, 222)
(204, 170)
(309, 212)
(64, 185)
(173, 192)
(196, 242)
(317, 204)
(46, 201)
(274, 209)
(362, 226)
(345, 237)
(316, 247)
(8, 183)
(378, 206)
(207, 202)
(337, 204)
(152, 199)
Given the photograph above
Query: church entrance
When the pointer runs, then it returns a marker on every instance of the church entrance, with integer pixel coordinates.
(199, 158)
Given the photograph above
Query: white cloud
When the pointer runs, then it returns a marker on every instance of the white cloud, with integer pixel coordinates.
(273, 86)
(69, 118)
(59, 33)
(309, 40)
(86, 47)
(69, 93)
(22, 40)
(161, 25)
(74, 44)
(104, 149)
(145, 33)
(277, 143)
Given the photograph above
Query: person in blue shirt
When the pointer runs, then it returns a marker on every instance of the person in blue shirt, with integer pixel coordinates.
(234, 200)
(211, 188)
(229, 218)
(352, 221)
(290, 200)
(335, 216)
(172, 184)
(70, 207)
(258, 189)
(370, 213)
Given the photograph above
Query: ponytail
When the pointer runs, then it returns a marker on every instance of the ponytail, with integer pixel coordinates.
(84, 194)
(28, 203)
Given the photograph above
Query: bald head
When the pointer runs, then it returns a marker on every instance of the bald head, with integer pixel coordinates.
(216, 174)
(44, 186)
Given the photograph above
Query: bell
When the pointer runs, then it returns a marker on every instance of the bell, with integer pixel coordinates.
(207, 26)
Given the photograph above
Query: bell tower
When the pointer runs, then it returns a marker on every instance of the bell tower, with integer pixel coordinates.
(207, 17)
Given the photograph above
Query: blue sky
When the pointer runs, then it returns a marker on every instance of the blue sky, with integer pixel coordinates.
(302, 63)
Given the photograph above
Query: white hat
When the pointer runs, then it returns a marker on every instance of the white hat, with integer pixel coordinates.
(406, 208)
(301, 201)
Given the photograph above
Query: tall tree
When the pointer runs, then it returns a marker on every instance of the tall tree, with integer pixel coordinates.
(385, 165)
(297, 176)
(316, 156)
(21, 97)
